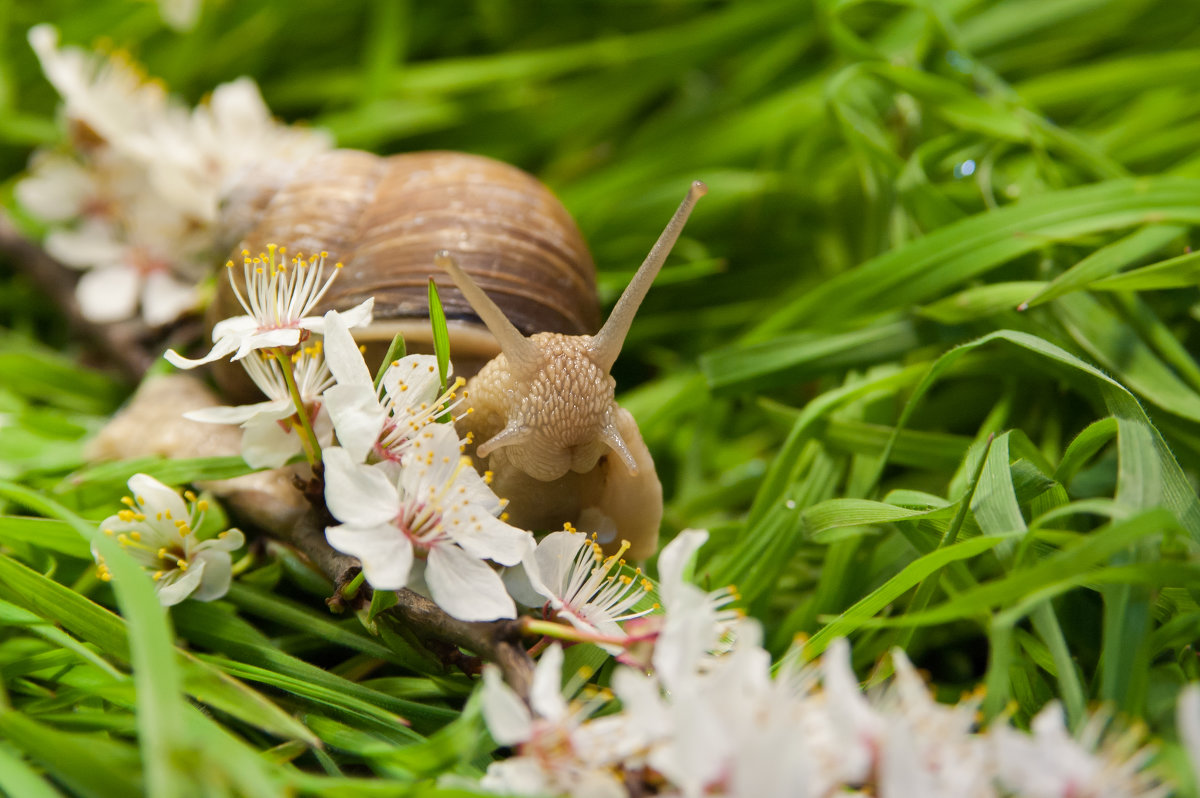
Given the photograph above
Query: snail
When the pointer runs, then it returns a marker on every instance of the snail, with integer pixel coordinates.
(524, 316)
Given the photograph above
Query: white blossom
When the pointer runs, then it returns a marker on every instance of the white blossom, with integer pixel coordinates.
(271, 437)
(59, 188)
(554, 754)
(714, 719)
(431, 522)
(158, 529)
(136, 202)
(278, 297)
(578, 584)
(695, 623)
(109, 100)
(1050, 762)
(381, 425)
(1187, 720)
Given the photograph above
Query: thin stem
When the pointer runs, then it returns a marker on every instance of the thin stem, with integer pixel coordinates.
(244, 564)
(927, 588)
(308, 438)
(352, 587)
(539, 647)
(533, 626)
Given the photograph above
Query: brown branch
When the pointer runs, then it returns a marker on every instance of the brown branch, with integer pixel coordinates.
(494, 641)
(152, 424)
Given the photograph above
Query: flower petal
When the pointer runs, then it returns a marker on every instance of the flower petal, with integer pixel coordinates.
(156, 497)
(220, 349)
(674, 559)
(230, 540)
(414, 379)
(239, 414)
(56, 189)
(357, 417)
(269, 444)
(524, 584)
(466, 587)
(486, 537)
(281, 336)
(342, 353)
(177, 585)
(165, 299)
(234, 327)
(90, 245)
(1187, 721)
(108, 294)
(385, 553)
(506, 715)
(545, 692)
(554, 557)
(358, 316)
(358, 494)
(218, 573)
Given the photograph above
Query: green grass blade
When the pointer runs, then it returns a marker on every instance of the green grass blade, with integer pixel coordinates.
(161, 732)
(1107, 261)
(18, 778)
(441, 336)
(951, 255)
(912, 575)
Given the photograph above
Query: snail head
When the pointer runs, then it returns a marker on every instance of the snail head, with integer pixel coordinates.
(553, 393)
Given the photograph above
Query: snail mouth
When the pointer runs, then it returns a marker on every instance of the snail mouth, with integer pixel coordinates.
(584, 457)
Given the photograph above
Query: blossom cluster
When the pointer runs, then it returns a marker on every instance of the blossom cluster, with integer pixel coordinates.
(413, 509)
(706, 717)
(134, 199)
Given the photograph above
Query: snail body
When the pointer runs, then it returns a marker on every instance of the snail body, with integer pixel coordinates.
(543, 419)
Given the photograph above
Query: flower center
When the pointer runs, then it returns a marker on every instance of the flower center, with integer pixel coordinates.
(550, 744)
(421, 523)
(391, 442)
(146, 264)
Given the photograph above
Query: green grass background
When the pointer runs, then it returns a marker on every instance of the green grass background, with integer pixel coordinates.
(832, 371)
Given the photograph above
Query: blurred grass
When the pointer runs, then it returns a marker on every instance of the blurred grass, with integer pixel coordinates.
(819, 371)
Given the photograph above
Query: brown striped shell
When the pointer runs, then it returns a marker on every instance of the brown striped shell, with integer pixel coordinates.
(386, 217)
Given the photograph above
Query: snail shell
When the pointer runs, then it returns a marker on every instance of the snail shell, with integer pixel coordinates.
(386, 217)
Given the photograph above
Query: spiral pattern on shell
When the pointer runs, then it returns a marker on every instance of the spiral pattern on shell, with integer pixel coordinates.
(386, 217)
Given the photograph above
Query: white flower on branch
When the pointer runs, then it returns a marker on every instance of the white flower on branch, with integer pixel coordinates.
(1050, 762)
(557, 754)
(136, 202)
(381, 425)
(712, 720)
(432, 521)
(569, 573)
(119, 276)
(158, 529)
(272, 433)
(695, 623)
(109, 100)
(278, 298)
